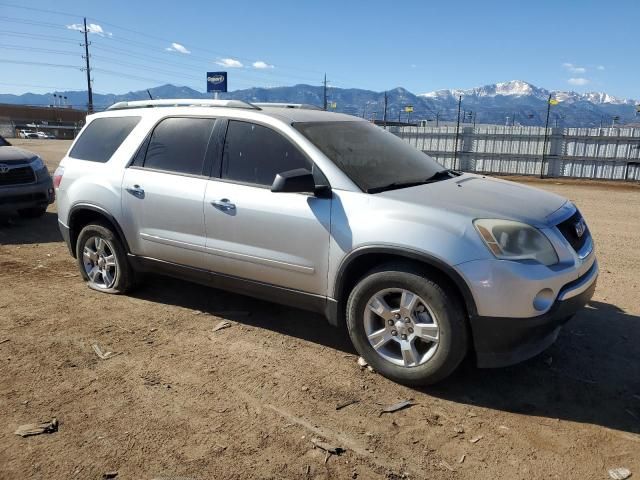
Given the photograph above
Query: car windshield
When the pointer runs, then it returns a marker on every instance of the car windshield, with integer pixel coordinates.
(371, 157)
(4, 143)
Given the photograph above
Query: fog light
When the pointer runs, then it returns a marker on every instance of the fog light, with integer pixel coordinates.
(543, 300)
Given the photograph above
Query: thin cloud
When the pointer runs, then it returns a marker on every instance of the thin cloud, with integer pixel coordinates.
(261, 65)
(579, 81)
(91, 28)
(574, 68)
(176, 47)
(600, 67)
(229, 63)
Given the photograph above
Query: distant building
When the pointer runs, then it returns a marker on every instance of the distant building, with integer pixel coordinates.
(54, 121)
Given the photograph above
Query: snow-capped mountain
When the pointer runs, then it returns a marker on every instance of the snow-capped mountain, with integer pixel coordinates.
(520, 88)
(516, 102)
(512, 88)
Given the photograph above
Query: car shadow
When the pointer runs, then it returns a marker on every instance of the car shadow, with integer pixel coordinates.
(590, 375)
(249, 311)
(19, 231)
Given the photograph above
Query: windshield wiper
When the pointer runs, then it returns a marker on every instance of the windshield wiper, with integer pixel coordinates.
(439, 175)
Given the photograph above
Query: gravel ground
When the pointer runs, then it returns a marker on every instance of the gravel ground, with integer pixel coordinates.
(244, 402)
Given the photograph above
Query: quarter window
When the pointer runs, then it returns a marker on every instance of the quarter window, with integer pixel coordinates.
(179, 145)
(255, 154)
(102, 137)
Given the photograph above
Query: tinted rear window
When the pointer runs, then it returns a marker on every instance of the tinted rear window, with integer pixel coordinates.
(179, 145)
(102, 137)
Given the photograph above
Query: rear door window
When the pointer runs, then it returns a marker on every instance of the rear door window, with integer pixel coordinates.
(179, 145)
(102, 137)
(255, 154)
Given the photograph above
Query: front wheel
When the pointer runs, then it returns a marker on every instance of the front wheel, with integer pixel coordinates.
(102, 260)
(407, 326)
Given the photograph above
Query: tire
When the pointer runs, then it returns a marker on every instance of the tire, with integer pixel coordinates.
(33, 212)
(422, 350)
(104, 267)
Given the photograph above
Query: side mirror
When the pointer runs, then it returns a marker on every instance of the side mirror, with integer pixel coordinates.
(299, 180)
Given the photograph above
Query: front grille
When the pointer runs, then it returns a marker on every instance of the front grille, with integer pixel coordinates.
(570, 232)
(17, 176)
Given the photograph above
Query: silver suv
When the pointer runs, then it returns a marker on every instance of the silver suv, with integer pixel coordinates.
(329, 213)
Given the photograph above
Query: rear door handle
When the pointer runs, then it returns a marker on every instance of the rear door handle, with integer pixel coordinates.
(136, 191)
(223, 204)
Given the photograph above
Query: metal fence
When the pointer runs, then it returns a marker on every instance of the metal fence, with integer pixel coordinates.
(596, 153)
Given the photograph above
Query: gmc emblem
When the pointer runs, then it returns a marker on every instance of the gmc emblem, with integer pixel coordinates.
(580, 227)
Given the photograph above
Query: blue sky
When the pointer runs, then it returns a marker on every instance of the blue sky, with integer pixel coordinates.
(420, 45)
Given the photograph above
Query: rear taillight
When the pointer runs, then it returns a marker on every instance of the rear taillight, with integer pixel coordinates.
(57, 177)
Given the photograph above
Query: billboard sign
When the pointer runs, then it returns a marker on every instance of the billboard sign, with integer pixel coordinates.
(216, 81)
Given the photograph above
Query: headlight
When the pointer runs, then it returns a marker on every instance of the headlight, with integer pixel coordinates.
(37, 164)
(510, 240)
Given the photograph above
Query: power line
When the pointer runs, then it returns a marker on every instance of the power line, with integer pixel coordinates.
(36, 49)
(39, 36)
(130, 41)
(41, 64)
(192, 60)
(33, 9)
(55, 87)
(26, 21)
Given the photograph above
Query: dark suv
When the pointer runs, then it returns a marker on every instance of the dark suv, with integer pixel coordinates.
(25, 184)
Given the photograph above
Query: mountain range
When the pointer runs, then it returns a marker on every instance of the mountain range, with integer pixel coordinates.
(510, 102)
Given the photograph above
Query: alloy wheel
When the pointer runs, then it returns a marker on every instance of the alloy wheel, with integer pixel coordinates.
(99, 262)
(401, 327)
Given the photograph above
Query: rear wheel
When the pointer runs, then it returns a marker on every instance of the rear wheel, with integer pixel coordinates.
(33, 212)
(102, 260)
(407, 326)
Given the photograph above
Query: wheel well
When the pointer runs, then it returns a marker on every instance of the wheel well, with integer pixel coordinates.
(84, 216)
(359, 266)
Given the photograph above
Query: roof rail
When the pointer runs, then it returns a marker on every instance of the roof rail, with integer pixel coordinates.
(303, 106)
(183, 102)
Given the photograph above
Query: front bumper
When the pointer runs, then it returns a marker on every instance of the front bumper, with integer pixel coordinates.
(17, 197)
(502, 341)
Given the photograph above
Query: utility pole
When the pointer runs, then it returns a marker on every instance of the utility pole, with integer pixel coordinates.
(455, 148)
(384, 115)
(325, 93)
(438, 118)
(546, 135)
(88, 68)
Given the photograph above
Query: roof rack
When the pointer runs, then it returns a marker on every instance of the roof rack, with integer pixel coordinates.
(303, 106)
(183, 102)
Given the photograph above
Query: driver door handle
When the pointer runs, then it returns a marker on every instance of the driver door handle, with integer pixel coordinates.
(223, 204)
(136, 191)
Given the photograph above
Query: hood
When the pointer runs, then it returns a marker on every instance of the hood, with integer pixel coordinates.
(15, 153)
(477, 196)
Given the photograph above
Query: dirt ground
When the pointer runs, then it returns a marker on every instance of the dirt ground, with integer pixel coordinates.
(244, 402)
